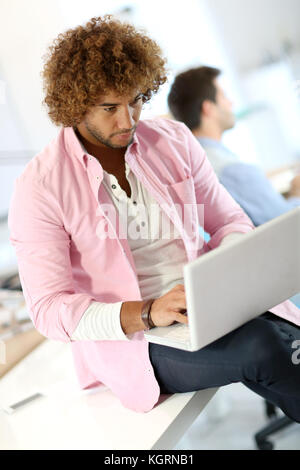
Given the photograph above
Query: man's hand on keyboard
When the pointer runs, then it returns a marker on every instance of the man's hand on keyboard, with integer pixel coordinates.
(168, 308)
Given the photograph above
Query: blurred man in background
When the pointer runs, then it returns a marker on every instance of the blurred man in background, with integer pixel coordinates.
(197, 99)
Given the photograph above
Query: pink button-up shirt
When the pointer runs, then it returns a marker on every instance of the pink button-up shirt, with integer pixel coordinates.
(56, 222)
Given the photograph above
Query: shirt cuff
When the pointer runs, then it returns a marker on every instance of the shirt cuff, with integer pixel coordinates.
(100, 321)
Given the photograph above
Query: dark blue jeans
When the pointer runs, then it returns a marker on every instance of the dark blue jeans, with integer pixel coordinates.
(258, 354)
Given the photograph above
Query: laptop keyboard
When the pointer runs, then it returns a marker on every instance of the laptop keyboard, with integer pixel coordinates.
(179, 332)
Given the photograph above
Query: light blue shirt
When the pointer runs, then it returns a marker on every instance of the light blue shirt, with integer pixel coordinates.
(247, 184)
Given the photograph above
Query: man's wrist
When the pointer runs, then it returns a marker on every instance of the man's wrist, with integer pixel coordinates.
(146, 314)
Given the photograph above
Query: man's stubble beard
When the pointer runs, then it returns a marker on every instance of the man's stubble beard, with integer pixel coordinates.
(107, 142)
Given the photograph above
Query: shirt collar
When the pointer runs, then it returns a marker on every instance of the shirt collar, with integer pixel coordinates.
(75, 148)
(206, 141)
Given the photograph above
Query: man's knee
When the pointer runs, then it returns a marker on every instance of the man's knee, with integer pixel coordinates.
(265, 343)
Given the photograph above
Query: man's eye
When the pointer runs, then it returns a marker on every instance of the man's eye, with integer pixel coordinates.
(109, 110)
(137, 100)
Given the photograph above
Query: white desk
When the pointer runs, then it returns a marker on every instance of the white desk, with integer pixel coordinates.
(70, 418)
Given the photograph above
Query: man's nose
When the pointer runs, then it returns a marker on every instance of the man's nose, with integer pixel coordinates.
(125, 118)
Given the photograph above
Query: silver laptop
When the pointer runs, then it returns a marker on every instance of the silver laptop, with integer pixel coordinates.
(235, 283)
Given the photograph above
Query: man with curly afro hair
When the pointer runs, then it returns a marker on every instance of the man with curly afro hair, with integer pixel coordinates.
(104, 218)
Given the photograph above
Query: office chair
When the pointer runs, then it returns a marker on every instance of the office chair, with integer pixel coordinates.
(276, 424)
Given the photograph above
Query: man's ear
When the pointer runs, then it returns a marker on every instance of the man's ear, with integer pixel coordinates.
(207, 107)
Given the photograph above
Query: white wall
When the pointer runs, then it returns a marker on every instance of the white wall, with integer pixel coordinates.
(254, 33)
(26, 28)
(253, 29)
(273, 85)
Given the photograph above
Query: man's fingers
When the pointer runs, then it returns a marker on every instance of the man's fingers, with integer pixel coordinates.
(181, 318)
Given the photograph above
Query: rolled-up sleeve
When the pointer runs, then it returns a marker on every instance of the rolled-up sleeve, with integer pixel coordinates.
(222, 214)
(42, 247)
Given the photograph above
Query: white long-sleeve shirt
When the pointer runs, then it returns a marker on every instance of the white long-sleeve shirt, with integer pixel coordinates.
(157, 249)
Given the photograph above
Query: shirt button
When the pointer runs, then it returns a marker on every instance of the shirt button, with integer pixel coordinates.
(134, 202)
(113, 186)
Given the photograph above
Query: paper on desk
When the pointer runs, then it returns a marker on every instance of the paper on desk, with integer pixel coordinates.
(20, 404)
(62, 390)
